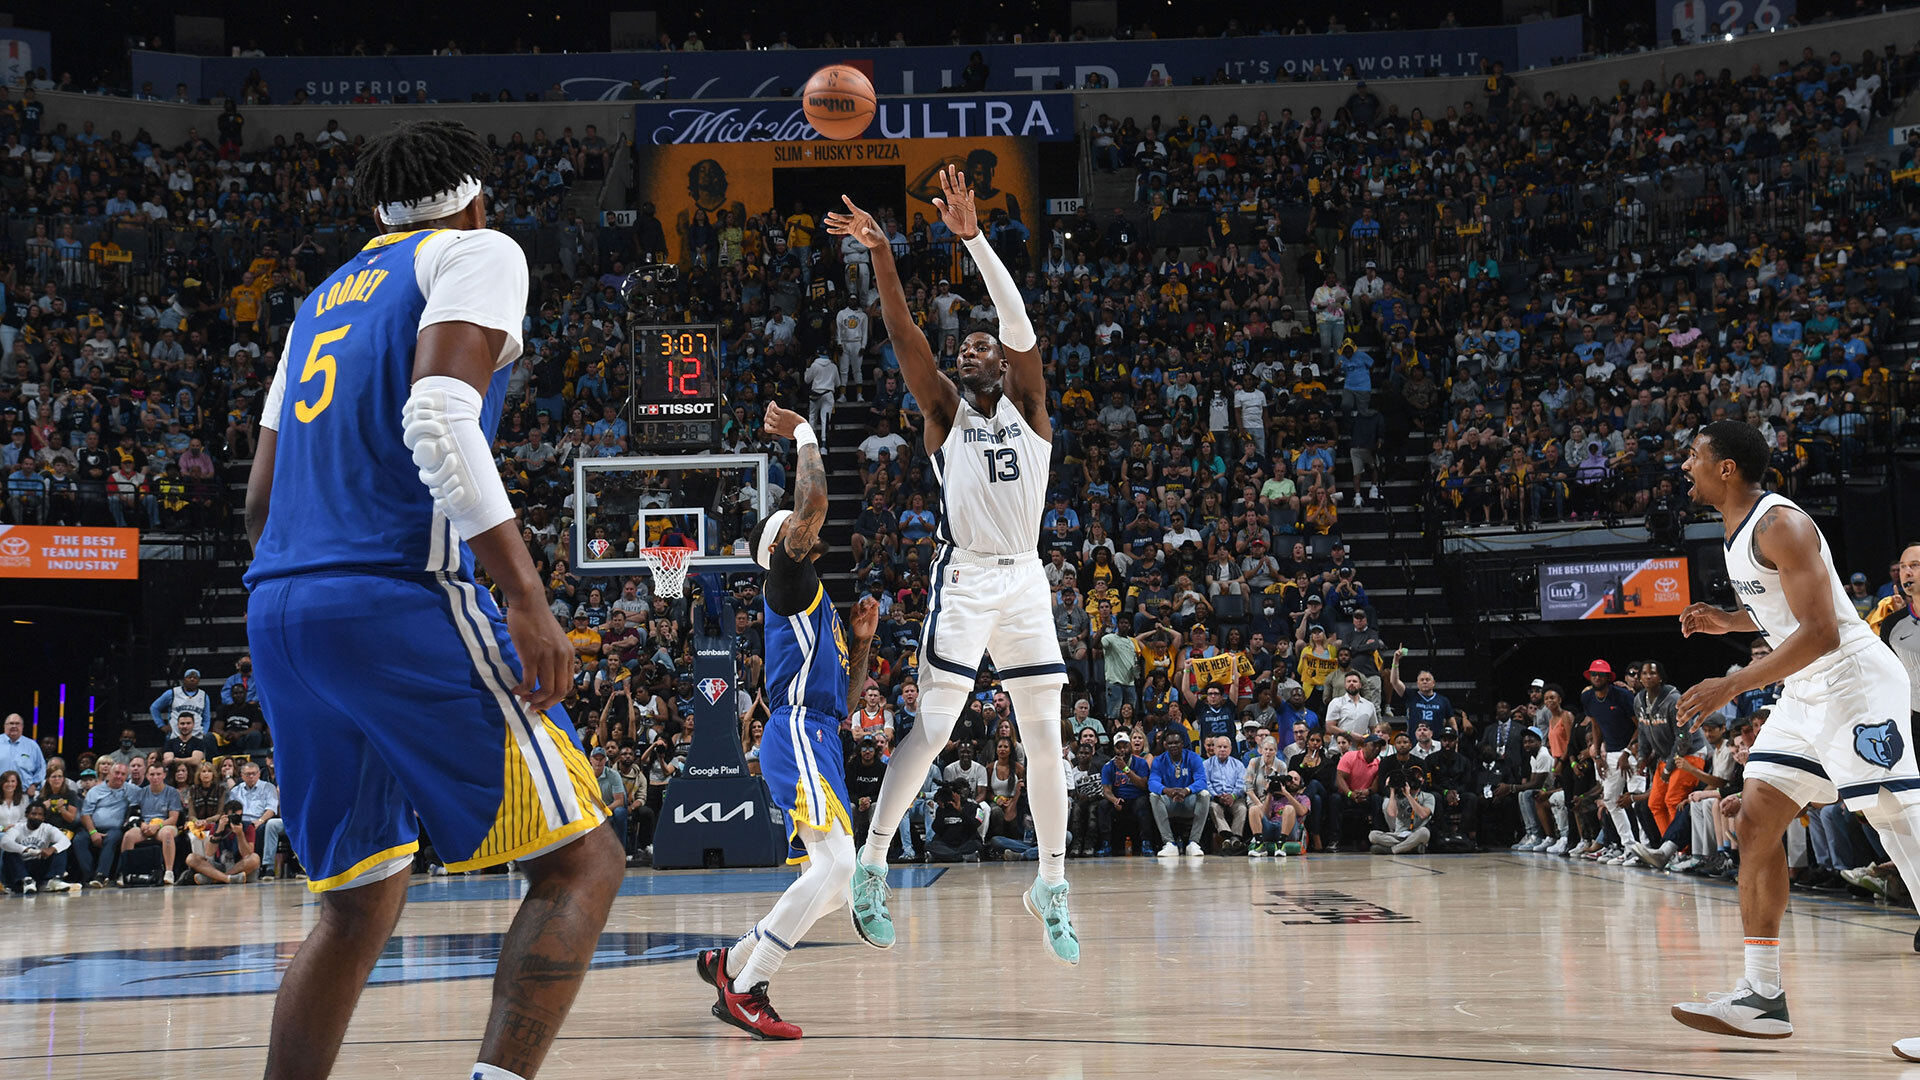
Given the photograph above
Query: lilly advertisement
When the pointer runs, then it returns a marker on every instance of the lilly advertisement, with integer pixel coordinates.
(1614, 589)
(704, 166)
(60, 551)
(724, 72)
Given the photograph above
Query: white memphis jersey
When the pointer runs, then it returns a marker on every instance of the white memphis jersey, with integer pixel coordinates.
(992, 472)
(1758, 588)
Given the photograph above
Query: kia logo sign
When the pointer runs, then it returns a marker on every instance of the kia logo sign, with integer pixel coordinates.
(1566, 592)
(14, 545)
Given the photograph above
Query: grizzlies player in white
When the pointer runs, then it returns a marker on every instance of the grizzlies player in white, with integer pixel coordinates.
(992, 446)
(1841, 730)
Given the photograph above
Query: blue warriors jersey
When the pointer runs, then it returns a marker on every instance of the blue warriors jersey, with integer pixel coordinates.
(807, 661)
(346, 494)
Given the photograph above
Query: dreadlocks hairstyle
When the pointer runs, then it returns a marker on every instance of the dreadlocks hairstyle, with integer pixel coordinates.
(417, 159)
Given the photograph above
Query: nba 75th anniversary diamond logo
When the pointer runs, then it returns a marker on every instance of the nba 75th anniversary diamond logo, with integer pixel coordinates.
(712, 689)
(598, 546)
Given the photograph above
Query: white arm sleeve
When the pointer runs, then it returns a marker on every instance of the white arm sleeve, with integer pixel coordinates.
(442, 429)
(477, 276)
(1016, 332)
(276, 397)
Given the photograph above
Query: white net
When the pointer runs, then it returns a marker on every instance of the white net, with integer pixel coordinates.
(669, 568)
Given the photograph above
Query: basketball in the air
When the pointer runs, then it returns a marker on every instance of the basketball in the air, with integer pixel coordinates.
(838, 101)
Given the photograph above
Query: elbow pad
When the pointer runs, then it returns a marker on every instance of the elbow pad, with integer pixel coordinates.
(442, 429)
(1016, 330)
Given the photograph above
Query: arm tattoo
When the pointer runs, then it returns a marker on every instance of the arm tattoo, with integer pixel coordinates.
(857, 654)
(1760, 527)
(802, 530)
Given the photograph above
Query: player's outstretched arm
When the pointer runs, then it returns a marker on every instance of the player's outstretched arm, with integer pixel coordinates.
(865, 620)
(1026, 381)
(938, 398)
(1789, 541)
(452, 368)
(801, 532)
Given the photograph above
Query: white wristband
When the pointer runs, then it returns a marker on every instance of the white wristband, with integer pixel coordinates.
(803, 436)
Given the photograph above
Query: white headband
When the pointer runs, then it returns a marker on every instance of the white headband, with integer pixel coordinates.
(764, 549)
(438, 205)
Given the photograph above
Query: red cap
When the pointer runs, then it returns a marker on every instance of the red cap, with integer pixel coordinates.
(1600, 666)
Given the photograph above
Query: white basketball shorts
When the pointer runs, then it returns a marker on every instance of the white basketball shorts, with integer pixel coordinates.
(999, 605)
(1843, 731)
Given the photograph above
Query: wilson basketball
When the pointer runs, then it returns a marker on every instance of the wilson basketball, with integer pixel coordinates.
(838, 101)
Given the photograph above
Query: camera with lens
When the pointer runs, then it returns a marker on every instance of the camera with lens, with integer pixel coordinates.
(650, 287)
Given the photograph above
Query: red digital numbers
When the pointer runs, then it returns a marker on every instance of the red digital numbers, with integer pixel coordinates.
(682, 353)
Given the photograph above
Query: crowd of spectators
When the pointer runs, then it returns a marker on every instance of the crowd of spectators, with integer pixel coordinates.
(145, 291)
(1560, 292)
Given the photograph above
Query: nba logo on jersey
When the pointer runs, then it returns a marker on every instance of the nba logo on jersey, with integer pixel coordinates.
(1879, 743)
(598, 546)
(713, 688)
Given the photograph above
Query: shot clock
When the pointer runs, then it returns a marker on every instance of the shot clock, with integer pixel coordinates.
(678, 398)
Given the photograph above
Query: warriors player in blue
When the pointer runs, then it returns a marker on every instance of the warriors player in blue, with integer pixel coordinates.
(991, 441)
(393, 684)
(812, 671)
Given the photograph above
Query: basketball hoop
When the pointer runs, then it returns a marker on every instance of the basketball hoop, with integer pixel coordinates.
(669, 568)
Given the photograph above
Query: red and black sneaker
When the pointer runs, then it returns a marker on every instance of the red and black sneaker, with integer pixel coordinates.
(752, 1013)
(712, 964)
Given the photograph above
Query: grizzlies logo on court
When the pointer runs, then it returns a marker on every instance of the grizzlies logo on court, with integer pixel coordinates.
(1879, 743)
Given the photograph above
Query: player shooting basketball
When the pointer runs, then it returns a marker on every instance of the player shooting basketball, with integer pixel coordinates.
(992, 443)
(812, 672)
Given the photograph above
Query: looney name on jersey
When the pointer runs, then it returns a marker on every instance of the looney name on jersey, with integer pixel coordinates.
(354, 288)
(972, 434)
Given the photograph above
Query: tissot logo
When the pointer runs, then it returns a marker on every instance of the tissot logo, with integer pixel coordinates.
(1567, 592)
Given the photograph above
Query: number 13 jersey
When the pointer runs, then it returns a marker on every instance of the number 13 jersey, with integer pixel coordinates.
(992, 472)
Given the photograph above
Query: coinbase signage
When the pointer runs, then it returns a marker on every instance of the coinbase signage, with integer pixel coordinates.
(1047, 117)
(778, 73)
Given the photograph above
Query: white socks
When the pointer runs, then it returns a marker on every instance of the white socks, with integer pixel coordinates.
(482, 1071)
(1763, 966)
(818, 891)
(1036, 708)
(907, 768)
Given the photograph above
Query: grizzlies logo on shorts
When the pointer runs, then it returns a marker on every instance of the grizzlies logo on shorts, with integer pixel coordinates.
(1879, 743)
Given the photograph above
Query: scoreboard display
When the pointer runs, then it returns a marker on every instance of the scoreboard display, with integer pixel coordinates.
(677, 400)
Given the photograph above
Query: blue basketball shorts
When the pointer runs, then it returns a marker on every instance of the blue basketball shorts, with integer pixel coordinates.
(389, 699)
(802, 761)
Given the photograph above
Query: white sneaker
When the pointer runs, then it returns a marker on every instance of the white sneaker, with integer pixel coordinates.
(1739, 1011)
(1278, 851)
(1541, 844)
(1169, 851)
(167, 877)
(1373, 492)
(1525, 844)
(1195, 850)
(1654, 857)
(1908, 1049)
(28, 888)
(1559, 847)
(1866, 878)
(58, 885)
(237, 879)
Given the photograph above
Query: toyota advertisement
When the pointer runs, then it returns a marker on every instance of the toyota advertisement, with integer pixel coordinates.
(1614, 589)
(37, 551)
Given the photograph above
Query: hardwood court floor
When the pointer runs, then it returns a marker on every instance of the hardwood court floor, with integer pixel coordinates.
(1350, 966)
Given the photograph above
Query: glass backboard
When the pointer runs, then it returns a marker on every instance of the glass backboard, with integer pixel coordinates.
(707, 501)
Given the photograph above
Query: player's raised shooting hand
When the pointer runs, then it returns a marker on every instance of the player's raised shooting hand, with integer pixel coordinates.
(781, 423)
(866, 618)
(546, 657)
(956, 209)
(856, 223)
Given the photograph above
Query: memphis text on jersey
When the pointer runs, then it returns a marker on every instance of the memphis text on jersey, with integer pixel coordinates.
(974, 434)
(1748, 588)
